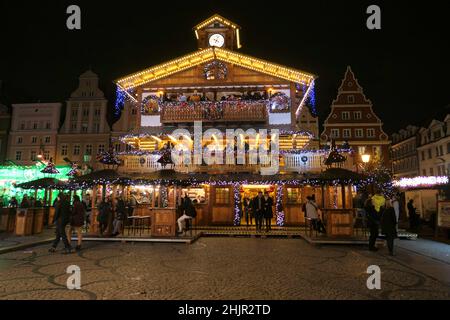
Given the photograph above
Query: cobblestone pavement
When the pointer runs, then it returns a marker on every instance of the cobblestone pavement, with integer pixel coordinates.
(215, 268)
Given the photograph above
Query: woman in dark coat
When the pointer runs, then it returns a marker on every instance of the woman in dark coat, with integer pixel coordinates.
(62, 219)
(77, 221)
(389, 226)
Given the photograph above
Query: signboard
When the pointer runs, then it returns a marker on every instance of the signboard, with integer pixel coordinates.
(443, 214)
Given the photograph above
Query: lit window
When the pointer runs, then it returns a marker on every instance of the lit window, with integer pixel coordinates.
(222, 195)
(293, 195)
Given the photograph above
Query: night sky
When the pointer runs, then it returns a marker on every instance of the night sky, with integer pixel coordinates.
(404, 68)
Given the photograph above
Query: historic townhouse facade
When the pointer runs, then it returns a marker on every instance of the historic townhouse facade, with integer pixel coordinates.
(404, 156)
(34, 128)
(434, 151)
(5, 122)
(353, 120)
(85, 132)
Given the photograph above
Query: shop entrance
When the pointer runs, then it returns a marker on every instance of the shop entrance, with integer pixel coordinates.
(250, 192)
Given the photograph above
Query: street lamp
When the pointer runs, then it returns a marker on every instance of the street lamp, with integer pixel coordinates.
(365, 158)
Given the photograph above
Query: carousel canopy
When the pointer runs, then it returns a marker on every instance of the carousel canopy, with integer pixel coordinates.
(43, 183)
(340, 174)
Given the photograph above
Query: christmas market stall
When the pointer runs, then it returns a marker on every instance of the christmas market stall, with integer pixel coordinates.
(32, 217)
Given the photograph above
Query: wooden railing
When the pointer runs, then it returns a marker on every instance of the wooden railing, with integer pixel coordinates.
(303, 162)
(214, 111)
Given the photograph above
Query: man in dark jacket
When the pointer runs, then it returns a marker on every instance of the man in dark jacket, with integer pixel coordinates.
(258, 209)
(373, 222)
(62, 219)
(268, 212)
(389, 227)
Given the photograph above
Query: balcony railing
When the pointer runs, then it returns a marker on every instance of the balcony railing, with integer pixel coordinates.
(304, 162)
(220, 111)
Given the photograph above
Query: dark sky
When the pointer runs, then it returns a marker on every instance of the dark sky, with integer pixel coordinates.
(404, 68)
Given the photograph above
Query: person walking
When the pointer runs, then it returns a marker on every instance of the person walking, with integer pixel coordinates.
(388, 224)
(373, 222)
(121, 216)
(268, 212)
(395, 204)
(258, 210)
(25, 202)
(77, 221)
(62, 219)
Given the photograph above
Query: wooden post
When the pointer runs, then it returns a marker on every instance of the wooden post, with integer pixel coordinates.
(153, 196)
(50, 197)
(343, 195)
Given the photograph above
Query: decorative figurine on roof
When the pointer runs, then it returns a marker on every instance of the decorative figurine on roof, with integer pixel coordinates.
(166, 158)
(334, 157)
(108, 158)
(74, 171)
(50, 168)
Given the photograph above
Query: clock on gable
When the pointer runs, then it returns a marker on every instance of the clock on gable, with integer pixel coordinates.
(219, 32)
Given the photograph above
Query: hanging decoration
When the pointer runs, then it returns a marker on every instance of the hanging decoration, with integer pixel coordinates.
(237, 204)
(279, 206)
(50, 168)
(108, 158)
(121, 96)
(279, 102)
(215, 70)
(74, 171)
(151, 105)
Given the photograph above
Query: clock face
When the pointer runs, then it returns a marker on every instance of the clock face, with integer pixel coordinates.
(216, 40)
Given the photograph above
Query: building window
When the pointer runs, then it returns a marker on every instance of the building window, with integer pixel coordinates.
(424, 172)
(357, 115)
(33, 155)
(76, 150)
(84, 127)
(334, 133)
(361, 149)
(74, 126)
(48, 126)
(46, 155)
(19, 140)
(85, 112)
(33, 140)
(97, 127)
(134, 111)
(346, 133)
(117, 147)
(74, 112)
(88, 150)
(429, 154)
(359, 133)
(101, 148)
(293, 195)
(436, 134)
(97, 112)
(351, 99)
(47, 139)
(345, 115)
(222, 195)
(441, 150)
(370, 133)
(431, 172)
(423, 155)
(35, 125)
(18, 155)
(22, 126)
(64, 150)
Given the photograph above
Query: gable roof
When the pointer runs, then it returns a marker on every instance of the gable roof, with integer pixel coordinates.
(209, 54)
(216, 18)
